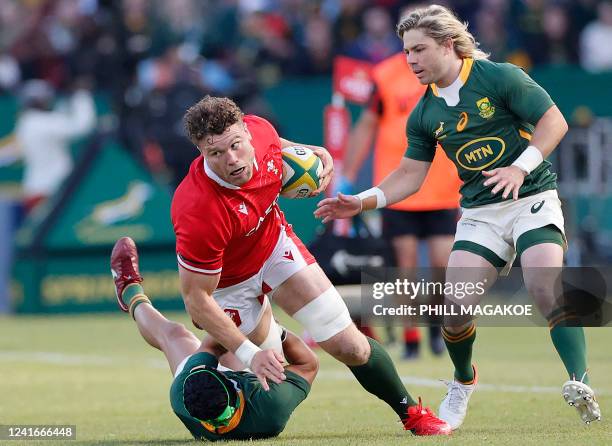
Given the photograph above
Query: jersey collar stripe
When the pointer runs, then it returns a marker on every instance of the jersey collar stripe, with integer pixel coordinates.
(466, 69)
(197, 270)
(213, 176)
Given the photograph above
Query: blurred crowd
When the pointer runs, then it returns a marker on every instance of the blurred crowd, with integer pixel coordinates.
(154, 58)
(224, 45)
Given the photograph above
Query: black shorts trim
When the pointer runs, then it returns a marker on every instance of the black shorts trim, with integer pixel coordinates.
(421, 224)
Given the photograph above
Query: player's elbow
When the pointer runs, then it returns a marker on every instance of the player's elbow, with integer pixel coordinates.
(564, 127)
(312, 365)
(560, 123)
(309, 368)
(555, 121)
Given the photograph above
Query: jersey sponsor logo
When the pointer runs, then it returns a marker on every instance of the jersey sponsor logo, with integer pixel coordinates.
(537, 206)
(485, 109)
(480, 153)
(463, 121)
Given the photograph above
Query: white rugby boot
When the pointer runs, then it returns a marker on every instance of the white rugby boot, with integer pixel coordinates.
(454, 405)
(578, 394)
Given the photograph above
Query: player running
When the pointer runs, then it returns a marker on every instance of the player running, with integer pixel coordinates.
(211, 403)
(483, 115)
(234, 247)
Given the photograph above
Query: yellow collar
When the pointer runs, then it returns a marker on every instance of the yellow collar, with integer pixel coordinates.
(466, 69)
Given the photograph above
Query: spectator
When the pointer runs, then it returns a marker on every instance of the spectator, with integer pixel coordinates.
(347, 25)
(378, 40)
(315, 58)
(44, 135)
(595, 42)
(9, 72)
(492, 33)
(528, 27)
(582, 12)
(560, 43)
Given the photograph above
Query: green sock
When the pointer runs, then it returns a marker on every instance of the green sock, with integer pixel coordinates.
(379, 377)
(459, 348)
(130, 292)
(571, 346)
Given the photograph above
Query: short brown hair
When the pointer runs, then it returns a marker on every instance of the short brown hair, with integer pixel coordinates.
(211, 116)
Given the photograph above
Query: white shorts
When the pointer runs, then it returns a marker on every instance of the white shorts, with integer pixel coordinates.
(498, 226)
(244, 302)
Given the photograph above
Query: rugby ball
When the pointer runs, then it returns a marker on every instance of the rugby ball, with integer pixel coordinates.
(301, 170)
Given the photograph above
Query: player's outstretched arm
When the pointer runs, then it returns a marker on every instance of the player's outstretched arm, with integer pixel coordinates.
(327, 160)
(402, 182)
(549, 131)
(197, 292)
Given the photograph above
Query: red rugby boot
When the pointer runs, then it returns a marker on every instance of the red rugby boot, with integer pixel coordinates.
(124, 268)
(422, 421)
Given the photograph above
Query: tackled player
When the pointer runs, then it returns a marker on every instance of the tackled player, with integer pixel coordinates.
(213, 404)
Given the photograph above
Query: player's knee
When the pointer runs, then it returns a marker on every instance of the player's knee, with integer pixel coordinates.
(312, 365)
(357, 353)
(540, 291)
(175, 330)
(350, 347)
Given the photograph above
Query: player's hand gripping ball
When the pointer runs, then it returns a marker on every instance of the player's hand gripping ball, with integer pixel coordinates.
(301, 170)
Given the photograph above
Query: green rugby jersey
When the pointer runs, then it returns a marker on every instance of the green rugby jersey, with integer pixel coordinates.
(499, 105)
(261, 415)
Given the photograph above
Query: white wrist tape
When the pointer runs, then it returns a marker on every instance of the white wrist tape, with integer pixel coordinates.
(246, 351)
(381, 200)
(529, 159)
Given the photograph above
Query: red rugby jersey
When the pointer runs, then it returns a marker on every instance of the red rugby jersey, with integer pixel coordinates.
(222, 228)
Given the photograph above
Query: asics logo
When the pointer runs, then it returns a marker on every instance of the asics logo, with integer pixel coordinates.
(537, 206)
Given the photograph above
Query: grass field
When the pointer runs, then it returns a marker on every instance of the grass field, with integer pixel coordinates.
(96, 372)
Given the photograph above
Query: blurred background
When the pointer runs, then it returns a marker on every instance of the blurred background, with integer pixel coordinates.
(92, 94)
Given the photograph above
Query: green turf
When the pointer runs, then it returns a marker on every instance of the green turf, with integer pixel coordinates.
(97, 373)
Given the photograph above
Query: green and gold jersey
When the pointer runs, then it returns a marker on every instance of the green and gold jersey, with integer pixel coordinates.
(489, 127)
(260, 414)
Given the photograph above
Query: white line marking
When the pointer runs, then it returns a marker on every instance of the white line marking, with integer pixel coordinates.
(331, 375)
